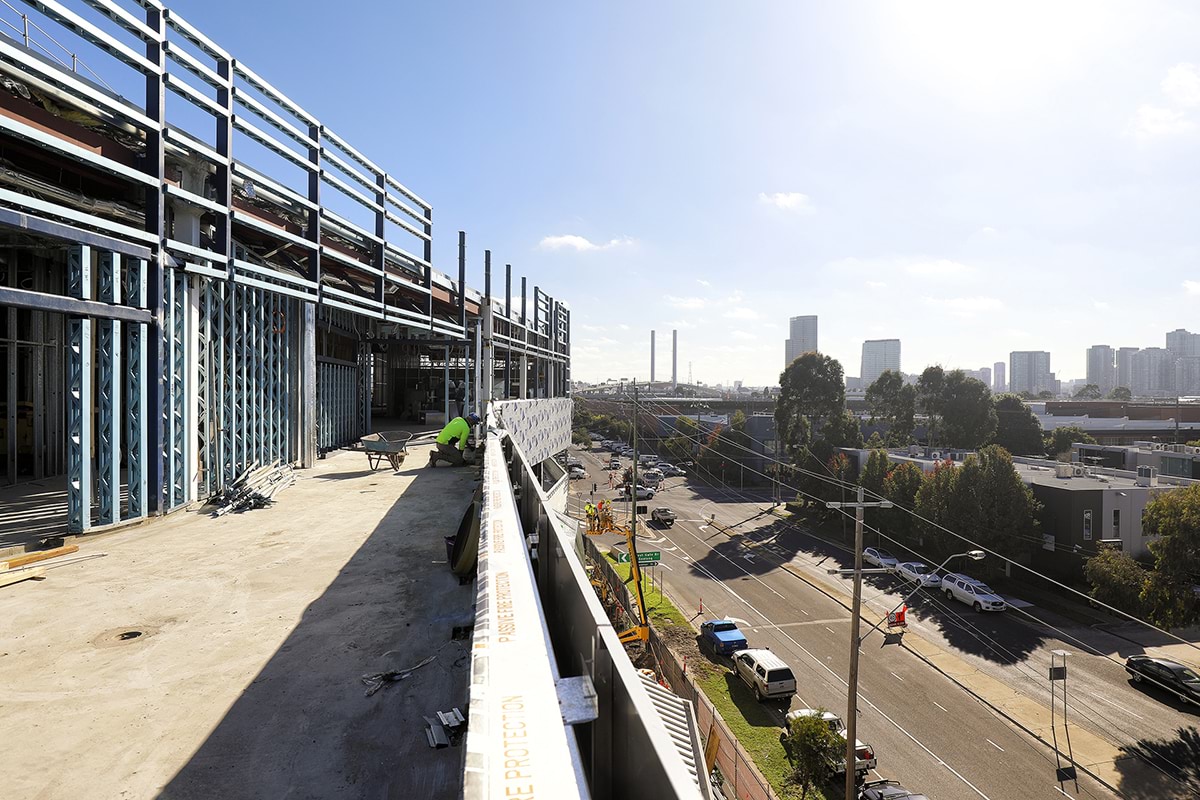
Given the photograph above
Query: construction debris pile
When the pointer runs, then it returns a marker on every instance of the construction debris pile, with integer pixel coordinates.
(256, 488)
(446, 730)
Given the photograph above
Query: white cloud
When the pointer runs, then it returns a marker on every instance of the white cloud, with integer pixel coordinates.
(795, 202)
(703, 282)
(1182, 85)
(691, 303)
(1151, 122)
(938, 268)
(966, 306)
(579, 243)
(741, 313)
(743, 335)
(1100, 305)
(679, 323)
(623, 326)
(876, 285)
(1192, 287)
(988, 230)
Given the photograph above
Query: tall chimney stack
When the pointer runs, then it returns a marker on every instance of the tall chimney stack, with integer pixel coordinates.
(652, 356)
(674, 356)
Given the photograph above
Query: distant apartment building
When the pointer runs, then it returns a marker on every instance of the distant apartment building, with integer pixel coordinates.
(1102, 367)
(1029, 371)
(1125, 366)
(985, 375)
(1153, 371)
(802, 338)
(879, 356)
(998, 382)
(1181, 343)
(1187, 376)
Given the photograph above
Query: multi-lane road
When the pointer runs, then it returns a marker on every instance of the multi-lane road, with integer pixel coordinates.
(928, 732)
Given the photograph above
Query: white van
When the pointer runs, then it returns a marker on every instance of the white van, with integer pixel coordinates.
(765, 673)
(650, 477)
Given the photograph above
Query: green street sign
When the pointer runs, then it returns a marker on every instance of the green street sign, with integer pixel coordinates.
(644, 559)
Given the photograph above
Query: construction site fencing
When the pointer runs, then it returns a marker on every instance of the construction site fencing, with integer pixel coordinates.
(734, 773)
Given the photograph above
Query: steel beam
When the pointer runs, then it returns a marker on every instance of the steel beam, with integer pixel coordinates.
(79, 395)
(137, 381)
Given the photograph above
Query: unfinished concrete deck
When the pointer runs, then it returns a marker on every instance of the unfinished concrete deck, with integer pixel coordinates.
(255, 632)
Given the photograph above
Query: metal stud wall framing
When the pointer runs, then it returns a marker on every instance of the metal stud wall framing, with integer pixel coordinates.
(109, 379)
(79, 395)
(136, 384)
(338, 403)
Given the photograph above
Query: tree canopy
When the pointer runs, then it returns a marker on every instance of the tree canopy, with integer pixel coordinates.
(1174, 517)
(811, 389)
(1017, 427)
(1119, 393)
(812, 749)
(893, 401)
(1089, 392)
(968, 418)
(1059, 440)
(929, 399)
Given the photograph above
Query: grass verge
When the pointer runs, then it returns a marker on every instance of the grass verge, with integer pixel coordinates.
(756, 725)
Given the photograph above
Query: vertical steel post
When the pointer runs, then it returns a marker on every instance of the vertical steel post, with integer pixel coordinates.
(137, 380)
(462, 282)
(108, 396)
(307, 395)
(11, 393)
(154, 164)
(79, 394)
(508, 315)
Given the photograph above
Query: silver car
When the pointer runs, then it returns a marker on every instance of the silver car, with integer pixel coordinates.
(918, 572)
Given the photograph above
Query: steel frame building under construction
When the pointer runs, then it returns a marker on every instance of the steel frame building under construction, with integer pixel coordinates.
(197, 275)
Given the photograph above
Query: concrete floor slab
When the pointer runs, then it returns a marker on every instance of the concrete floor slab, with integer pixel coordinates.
(256, 629)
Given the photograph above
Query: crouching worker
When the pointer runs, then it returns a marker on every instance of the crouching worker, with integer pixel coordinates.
(460, 429)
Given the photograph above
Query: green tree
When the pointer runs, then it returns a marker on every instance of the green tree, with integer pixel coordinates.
(812, 388)
(580, 437)
(968, 418)
(1117, 579)
(893, 401)
(682, 444)
(1017, 427)
(1174, 517)
(873, 477)
(812, 749)
(935, 502)
(1045, 394)
(1089, 392)
(875, 442)
(842, 430)
(901, 487)
(929, 400)
(994, 506)
(1120, 393)
(1059, 440)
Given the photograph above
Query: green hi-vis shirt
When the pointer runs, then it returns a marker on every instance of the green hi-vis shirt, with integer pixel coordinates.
(457, 428)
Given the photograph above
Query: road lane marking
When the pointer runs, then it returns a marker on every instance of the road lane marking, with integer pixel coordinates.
(1060, 791)
(939, 705)
(897, 677)
(829, 629)
(993, 744)
(1118, 705)
(828, 669)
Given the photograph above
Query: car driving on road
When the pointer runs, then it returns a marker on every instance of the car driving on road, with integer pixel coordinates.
(974, 593)
(663, 516)
(887, 790)
(1179, 679)
(643, 492)
(918, 572)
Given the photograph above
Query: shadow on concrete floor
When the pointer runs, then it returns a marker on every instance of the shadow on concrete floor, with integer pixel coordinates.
(303, 727)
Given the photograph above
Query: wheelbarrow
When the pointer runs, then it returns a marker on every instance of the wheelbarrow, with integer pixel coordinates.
(392, 445)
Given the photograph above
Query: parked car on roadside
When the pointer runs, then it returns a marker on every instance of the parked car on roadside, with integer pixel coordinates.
(974, 593)
(864, 755)
(615, 463)
(575, 473)
(1178, 679)
(887, 790)
(723, 636)
(918, 572)
(880, 558)
(765, 673)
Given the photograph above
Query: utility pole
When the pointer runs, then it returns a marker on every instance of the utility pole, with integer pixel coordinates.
(852, 701)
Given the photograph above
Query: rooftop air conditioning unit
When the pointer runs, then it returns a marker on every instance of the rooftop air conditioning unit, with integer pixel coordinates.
(935, 455)
(1078, 470)
(1063, 470)
(1147, 476)
(913, 449)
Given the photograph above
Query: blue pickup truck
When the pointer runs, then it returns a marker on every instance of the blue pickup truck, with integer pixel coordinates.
(723, 636)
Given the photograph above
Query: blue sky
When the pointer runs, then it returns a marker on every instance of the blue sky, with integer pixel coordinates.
(969, 181)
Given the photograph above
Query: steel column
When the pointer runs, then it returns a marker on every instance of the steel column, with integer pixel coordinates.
(137, 381)
(79, 395)
(108, 395)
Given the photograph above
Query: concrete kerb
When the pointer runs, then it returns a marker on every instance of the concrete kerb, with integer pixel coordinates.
(1005, 701)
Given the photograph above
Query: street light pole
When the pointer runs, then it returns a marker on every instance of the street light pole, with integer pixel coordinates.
(852, 699)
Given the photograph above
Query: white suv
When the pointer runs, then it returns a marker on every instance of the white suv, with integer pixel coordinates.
(765, 673)
(972, 592)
